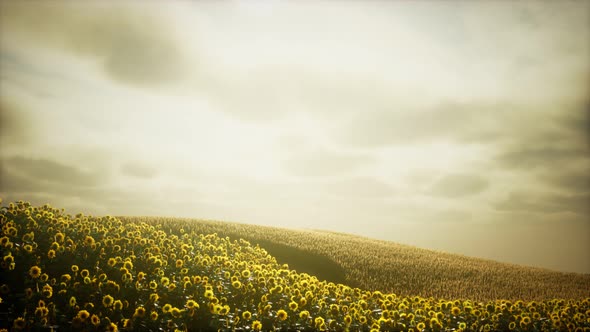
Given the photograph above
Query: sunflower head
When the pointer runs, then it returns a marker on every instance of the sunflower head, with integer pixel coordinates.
(282, 314)
(139, 312)
(95, 320)
(256, 325)
(35, 272)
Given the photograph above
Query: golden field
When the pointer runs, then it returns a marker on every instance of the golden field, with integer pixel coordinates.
(76, 272)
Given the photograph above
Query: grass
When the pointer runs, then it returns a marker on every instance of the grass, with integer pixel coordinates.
(77, 272)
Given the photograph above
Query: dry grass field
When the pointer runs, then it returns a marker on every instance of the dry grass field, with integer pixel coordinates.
(82, 273)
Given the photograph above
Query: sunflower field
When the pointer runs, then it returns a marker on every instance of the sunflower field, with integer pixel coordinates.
(67, 272)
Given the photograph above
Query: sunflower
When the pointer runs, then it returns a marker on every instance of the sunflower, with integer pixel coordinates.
(35, 272)
(112, 327)
(128, 265)
(65, 278)
(59, 237)
(166, 308)
(302, 301)
(347, 320)
(75, 268)
(304, 314)
(95, 320)
(282, 314)
(83, 315)
(293, 306)
(153, 315)
(256, 325)
(154, 297)
(41, 312)
(107, 301)
(455, 311)
(88, 240)
(118, 305)
(112, 262)
(175, 312)
(421, 326)
(334, 309)
(19, 323)
(9, 258)
(246, 315)
(72, 301)
(318, 321)
(192, 304)
(47, 291)
(139, 312)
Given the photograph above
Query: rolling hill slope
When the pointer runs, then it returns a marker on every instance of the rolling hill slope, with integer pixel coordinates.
(391, 267)
(79, 272)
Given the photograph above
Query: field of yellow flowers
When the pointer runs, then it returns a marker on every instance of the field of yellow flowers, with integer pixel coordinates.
(76, 272)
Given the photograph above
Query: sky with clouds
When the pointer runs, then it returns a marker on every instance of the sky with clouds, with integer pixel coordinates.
(456, 126)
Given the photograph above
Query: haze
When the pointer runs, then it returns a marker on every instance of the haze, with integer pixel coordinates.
(456, 126)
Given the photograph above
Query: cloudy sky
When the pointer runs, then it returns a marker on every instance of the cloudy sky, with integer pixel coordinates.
(455, 126)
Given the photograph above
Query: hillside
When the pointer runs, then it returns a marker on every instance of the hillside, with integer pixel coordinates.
(85, 273)
(391, 267)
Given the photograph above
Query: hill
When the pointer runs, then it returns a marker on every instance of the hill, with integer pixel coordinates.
(391, 267)
(83, 273)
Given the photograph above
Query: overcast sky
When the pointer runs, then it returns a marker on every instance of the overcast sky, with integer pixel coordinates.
(456, 126)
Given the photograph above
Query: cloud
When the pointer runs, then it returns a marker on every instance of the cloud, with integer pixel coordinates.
(545, 203)
(138, 170)
(326, 163)
(576, 181)
(539, 156)
(16, 126)
(130, 43)
(577, 123)
(459, 185)
(356, 187)
(51, 171)
(461, 122)
(40, 181)
(45, 181)
(558, 138)
(24, 179)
